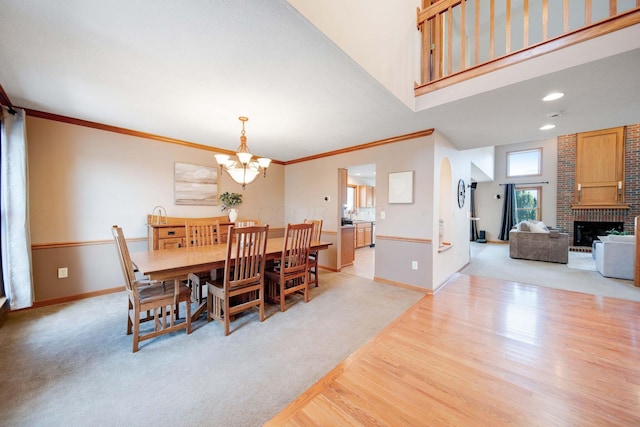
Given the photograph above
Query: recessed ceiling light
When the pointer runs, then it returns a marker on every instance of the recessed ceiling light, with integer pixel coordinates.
(547, 127)
(553, 96)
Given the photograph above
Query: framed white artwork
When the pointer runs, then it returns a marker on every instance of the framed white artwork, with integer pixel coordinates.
(401, 187)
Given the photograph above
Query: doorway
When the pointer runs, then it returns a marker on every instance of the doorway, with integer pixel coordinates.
(360, 208)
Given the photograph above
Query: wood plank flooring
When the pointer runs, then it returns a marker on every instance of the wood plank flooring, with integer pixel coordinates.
(487, 352)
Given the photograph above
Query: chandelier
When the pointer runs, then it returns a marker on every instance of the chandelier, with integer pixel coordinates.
(243, 170)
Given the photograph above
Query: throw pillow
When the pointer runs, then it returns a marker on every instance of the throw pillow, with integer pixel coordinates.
(523, 226)
(538, 227)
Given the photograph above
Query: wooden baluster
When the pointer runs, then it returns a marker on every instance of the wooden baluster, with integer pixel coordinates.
(507, 49)
(545, 20)
(492, 29)
(449, 40)
(463, 35)
(477, 34)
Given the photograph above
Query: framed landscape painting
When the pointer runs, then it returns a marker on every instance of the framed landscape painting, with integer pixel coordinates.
(195, 184)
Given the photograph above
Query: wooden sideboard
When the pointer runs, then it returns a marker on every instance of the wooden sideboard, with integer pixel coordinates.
(165, 232)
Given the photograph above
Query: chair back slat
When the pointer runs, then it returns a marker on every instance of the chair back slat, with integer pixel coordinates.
(202, 233)
(246, 223)
(245, 256)
(297, 242)
(317, 228)
(124, 257)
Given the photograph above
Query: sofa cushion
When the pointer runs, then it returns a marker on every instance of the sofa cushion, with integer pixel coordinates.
(630, 238)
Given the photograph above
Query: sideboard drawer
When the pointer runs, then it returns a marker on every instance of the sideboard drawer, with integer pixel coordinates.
(167, 232)
(173, 243)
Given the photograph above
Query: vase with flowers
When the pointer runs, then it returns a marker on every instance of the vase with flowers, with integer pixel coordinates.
(228, 201)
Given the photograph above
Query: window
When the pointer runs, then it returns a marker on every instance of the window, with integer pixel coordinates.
(351, 198)
(524, 163)
(528, 203)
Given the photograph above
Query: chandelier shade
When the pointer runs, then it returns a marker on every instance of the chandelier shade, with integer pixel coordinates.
(243, 169)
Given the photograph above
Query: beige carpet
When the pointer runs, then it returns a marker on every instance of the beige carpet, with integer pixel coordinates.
(71, 364)
(492, 260)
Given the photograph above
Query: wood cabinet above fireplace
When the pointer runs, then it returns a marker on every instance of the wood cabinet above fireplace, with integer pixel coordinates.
(600, 170)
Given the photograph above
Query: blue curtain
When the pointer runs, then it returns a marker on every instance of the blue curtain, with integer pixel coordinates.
(472, 202)
(508, 219)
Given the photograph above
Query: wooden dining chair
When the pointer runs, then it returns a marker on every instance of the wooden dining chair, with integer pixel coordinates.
(201, 233)
(291, 273)
(246, 223)
(150, 300)
(313, 255)
(242, 284)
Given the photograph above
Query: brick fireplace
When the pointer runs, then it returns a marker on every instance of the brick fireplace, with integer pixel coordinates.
(585, 232)
(566, 216)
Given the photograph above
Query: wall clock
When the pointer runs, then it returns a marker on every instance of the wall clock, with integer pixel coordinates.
(461, 193)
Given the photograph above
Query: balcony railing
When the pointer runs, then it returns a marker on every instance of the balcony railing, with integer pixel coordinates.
(462, 39)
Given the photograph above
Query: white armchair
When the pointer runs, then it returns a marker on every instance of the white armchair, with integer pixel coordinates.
(616, 258)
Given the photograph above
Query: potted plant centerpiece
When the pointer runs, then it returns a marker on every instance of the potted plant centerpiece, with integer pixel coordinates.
(229, 200)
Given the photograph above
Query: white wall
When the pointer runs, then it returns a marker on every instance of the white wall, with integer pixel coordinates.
(482, 163)
(489, 209)
(456, 222)
(381, 38)
(407, 232)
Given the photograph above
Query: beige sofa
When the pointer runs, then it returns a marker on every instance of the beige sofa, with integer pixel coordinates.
(539, 244)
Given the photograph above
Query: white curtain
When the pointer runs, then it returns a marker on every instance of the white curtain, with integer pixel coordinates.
(14, 210)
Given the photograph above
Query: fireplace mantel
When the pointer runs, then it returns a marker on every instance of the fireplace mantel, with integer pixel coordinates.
(616, 206)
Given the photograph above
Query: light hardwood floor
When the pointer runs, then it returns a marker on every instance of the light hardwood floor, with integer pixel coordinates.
(363, 265)
(487, 352)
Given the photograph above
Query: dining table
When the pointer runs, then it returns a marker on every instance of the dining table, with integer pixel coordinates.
(176, 264)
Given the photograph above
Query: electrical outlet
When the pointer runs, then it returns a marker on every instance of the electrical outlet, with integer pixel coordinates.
(63, 273)
(414, 265)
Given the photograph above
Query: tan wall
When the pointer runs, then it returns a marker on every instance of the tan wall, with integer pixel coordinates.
(83, 180)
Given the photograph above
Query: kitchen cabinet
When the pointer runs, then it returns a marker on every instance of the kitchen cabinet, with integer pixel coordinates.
(364, 234)
(366, 196)
(347, 254)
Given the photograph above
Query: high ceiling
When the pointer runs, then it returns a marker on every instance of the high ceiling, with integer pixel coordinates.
(187, 70)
